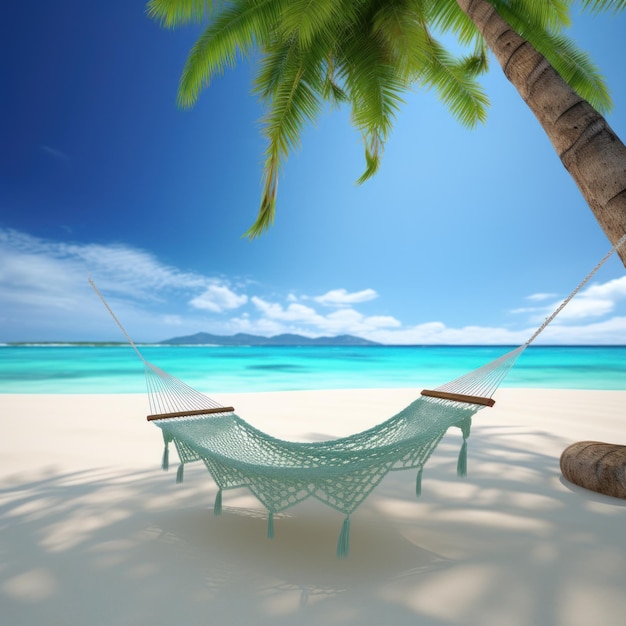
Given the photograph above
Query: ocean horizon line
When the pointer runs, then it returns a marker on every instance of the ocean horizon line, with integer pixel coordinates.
(115, 344)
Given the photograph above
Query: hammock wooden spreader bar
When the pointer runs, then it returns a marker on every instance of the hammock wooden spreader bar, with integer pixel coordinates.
(458, 397)
(165, 416)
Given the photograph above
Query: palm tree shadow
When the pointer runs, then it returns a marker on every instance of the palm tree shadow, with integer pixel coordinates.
(74, 541)
(138, 548)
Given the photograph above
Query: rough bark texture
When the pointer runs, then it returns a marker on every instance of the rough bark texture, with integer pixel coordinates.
(597, 466)
(588, 148)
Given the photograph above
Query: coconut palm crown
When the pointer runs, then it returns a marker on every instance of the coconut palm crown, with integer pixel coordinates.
(367, 53)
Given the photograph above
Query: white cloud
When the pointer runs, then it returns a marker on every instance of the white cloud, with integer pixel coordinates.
(306, 320)
(608, 332)
(437, 333)
(584, 308)
(294, 312)
(44, 295)
(595, 301)
(172, 320)
(527, 309)
(341, 297)
(28, 260)
(349, 321)
(261, 326)
(218, 298)
(614, 289)
(538, 297)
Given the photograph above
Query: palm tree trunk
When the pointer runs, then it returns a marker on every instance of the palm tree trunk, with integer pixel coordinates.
(591, 152)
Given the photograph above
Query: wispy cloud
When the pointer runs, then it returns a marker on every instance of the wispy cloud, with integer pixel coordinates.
(437, 333)
(597, 300)
(54, 153)
(539, 297)
(44, 295)
(614, 289)
(610, 331)
(44, 292)
(341, 297)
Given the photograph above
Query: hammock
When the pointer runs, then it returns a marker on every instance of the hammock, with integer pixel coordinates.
(341, 473)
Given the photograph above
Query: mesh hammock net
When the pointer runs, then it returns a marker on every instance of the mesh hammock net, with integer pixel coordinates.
(341, 473)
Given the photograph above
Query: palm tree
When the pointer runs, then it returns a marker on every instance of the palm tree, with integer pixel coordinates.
(368, 52)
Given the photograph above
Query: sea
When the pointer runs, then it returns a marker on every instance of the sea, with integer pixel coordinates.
(107, 369)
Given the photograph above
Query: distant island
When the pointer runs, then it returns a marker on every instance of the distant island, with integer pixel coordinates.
(243, 339)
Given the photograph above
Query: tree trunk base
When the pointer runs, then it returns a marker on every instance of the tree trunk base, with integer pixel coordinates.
(596, 466)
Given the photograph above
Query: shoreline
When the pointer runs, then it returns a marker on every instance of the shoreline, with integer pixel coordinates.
(88, 515)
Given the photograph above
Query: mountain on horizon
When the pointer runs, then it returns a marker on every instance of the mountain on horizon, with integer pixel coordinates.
(243, 339)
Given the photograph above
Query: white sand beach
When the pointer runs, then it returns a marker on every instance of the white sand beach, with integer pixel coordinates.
(93, 532)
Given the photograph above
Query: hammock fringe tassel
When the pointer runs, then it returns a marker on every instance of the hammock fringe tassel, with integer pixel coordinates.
(461, 466)
(165, 463)
(217, 507)
(270, 525)
(180, 473)
(343, 546)
(418, 483)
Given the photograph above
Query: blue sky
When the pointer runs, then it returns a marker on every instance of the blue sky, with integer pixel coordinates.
(462, 237)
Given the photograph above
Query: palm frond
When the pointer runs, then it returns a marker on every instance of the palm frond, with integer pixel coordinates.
(552, 15)
(454, 82)
(574, 65)
(333, 93)
(267, 210)
(445, 16)
(279, 56)
(599, 6)
(294, 102)
(366, 52)
(374, 88)
(231, 36)
(475, 64)
(172, 13)
(399, 27)
(314, 19)
(373, 152)
(578, 70)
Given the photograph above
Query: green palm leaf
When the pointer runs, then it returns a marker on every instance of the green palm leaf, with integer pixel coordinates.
(597, 6)
(366, 53)
(374, 88)
(577, 68)
(445, 16)
(399, 28)
(172, 13)
(454, 83)
(546, 14)
(233, 34)
(574, 65)
(294, 102)
(310, 20)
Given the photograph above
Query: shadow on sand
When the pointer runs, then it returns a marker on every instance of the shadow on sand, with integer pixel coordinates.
(508, 544)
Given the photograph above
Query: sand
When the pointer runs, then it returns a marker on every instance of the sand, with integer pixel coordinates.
(93, 532)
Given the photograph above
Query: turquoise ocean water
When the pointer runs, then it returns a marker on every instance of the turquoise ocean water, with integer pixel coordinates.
(116, 369)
